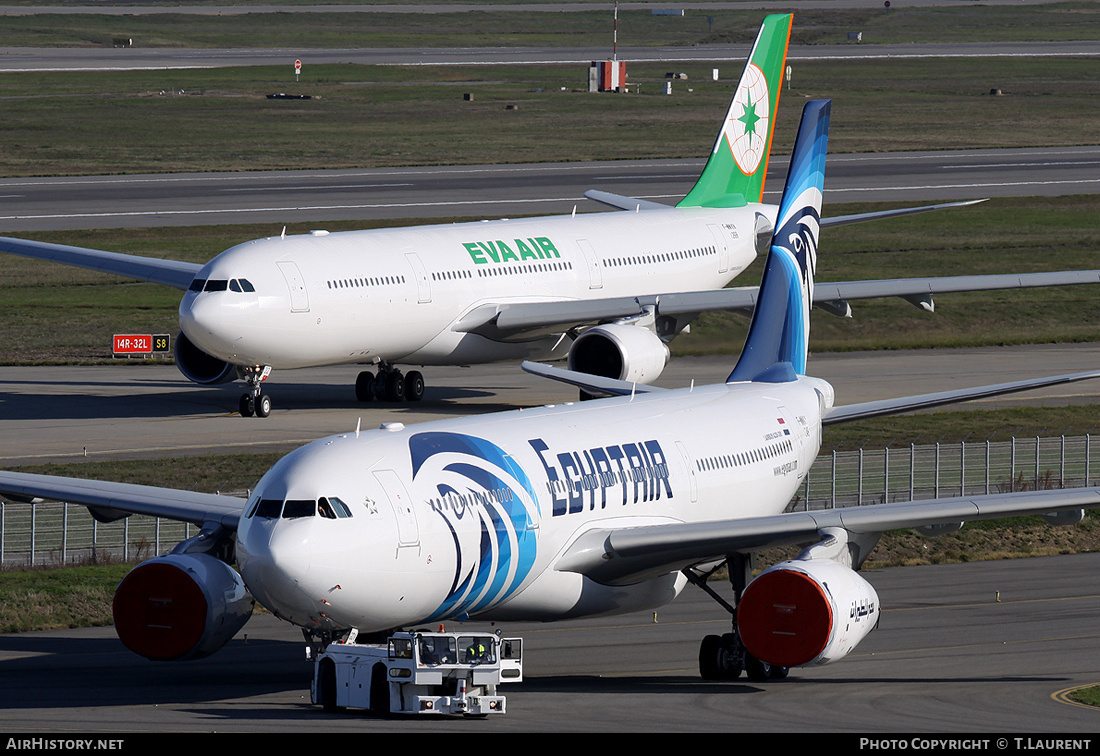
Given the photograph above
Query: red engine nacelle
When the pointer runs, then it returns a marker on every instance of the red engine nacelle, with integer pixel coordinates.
(180, 606)
(804, 612)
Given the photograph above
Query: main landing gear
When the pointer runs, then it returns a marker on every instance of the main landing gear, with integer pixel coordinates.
(723, 657)
(389, 385)
(254, 401)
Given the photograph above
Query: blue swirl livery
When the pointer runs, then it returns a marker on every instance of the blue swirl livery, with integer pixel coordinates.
(489, 505)
(777, 344)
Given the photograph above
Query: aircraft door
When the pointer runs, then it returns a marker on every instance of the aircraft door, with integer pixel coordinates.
(690, 467)
(721, 246)
(592, 260)
(423, 285)
(299, 299)
(408, 532)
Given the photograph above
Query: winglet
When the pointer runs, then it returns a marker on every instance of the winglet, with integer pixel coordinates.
(735, 172)
(779, 331)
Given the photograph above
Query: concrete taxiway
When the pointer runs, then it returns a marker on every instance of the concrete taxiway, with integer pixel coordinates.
(986, 647)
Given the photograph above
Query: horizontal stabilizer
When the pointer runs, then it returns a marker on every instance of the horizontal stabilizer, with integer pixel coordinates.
(593, 384)
(842, 220)
(864, 410)
(622, 202)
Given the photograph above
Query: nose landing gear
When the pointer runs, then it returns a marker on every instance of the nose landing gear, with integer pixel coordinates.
(255, 402)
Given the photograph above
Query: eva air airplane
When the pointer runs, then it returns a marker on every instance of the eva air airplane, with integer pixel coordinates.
(607, 290)
(582, 509)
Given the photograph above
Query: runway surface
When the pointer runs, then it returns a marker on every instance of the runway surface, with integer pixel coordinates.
(19, 59)
(495, 191)
(50, 414)
(985, 647)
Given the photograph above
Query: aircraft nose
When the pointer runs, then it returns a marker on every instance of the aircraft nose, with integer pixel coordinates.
(203, 319)
(275, 558)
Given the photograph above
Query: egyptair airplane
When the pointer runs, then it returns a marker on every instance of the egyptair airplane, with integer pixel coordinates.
(582, 509)
(607, 290)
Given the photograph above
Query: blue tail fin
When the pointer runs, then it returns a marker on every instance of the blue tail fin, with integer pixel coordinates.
(776, 347)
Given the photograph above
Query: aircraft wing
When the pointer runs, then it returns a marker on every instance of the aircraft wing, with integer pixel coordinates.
(627, 555)
(168, 272)
(110, 501)
(516, 320)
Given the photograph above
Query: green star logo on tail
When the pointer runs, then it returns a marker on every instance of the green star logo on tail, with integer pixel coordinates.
(746, 134)
(749, 117)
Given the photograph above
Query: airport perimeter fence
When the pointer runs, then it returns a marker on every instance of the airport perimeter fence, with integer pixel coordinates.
(54, 534)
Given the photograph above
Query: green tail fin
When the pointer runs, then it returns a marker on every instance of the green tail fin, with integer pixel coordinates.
(734, 174)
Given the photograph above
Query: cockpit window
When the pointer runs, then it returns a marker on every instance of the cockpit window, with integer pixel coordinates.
(216, 284)
(197, 284)
(269, 508)
(299, 508)
(246, 285)
(332, 508)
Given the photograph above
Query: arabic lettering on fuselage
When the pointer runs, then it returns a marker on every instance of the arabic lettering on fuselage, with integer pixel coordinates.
(604, 476)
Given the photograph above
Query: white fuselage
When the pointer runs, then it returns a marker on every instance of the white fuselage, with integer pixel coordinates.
(470, 517)
(395, 294)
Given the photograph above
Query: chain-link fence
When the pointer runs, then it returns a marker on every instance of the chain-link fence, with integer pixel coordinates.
(928, 471)
(49, 533)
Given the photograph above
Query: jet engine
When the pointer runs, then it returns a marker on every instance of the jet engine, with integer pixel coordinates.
(180, 606)
(625, 352)
(806, 612)
(199, 367)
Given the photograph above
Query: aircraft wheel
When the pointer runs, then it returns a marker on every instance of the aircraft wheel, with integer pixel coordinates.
(326, 686)
(364, 386)
(757, 670)
(395, 387)
(720, 658)
(379, 690)
(414, 386)
(263, 405)
(247, 405)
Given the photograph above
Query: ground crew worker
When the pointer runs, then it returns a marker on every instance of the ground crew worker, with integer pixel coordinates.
(476, 651)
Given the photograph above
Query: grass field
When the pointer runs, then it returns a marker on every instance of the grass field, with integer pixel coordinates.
(504, 28)
(220, 119)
